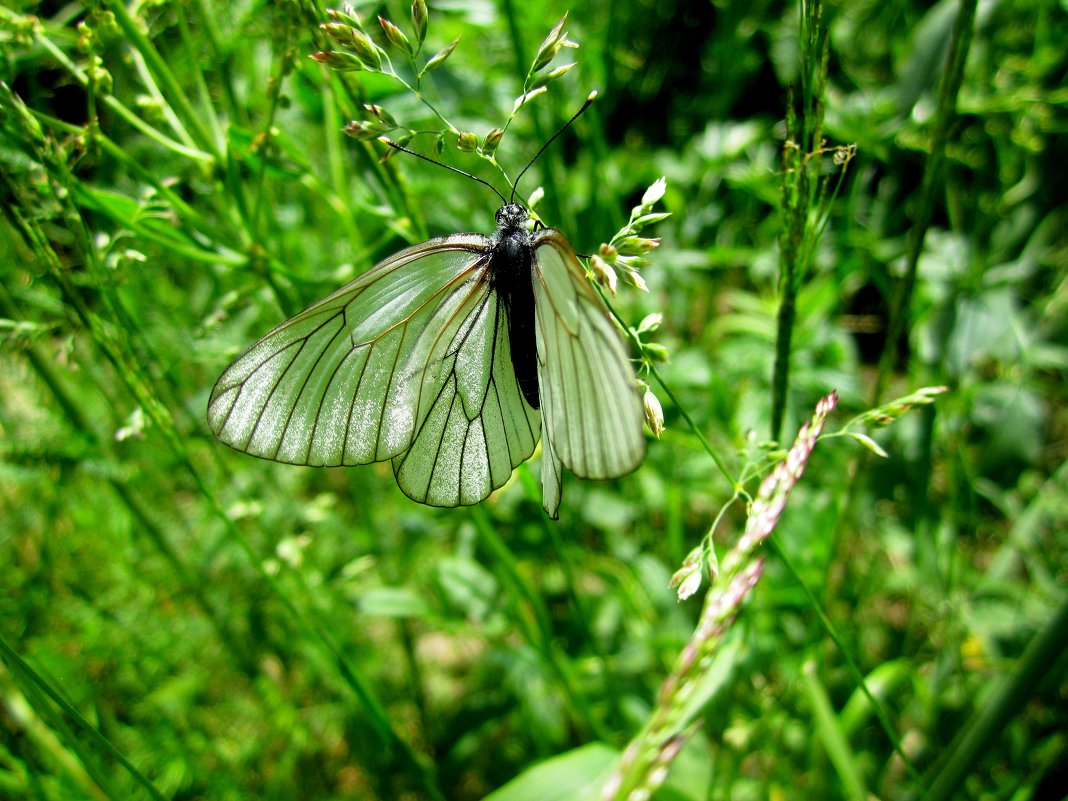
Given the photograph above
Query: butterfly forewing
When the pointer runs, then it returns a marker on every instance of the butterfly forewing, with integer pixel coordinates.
(344, 381)
(592, 414)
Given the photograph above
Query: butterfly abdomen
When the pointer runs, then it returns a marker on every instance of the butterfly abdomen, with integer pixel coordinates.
(510, 274)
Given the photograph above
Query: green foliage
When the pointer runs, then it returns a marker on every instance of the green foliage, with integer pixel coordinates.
(865, 197)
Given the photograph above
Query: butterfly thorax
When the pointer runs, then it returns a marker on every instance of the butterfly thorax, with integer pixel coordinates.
(510, 268)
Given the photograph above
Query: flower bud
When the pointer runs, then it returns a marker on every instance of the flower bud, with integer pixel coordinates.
(654, 415)
(522, 100)
(688, 577)
(551, 46)
(493, 138)
(549, 77)
(650, 323)
(656, 352)
(631, 275)
(535, 197)
(419, 21)
(342, 34)
(655, 191)
(395, 36)
(367, 51)
(636, 245)
(364, 130)
(439, 58)
(869, 443)
(689, 585)
(338, 60)
(604, 274)
(381, 114)
(99, 77)
(345, 16)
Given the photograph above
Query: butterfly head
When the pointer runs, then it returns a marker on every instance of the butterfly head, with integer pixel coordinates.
(511, 216)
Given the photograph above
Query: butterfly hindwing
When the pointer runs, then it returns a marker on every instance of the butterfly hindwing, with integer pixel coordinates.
(592, 414)
(478, 427)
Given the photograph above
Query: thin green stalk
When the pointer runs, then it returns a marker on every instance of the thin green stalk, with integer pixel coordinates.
(26, 710)
(146, 524)
(350, 97)
(705, 444)
(851, 663)
(225, 210)
(184, 211)
(19, 666)
(117, 106)
(829, 729)
(931, 185)
(274, 99)
(611, 690)
(231, 174)
(544, 641)
(36, 147)
(164, 108)
(784, 326)
(1043, 653)
(387, 174)
(551, 161)
(797, 242)
(162, 237)
(207, 17)
(651, 367)
(172, 93)
(337, 168)
(215, 126)
(160, 415)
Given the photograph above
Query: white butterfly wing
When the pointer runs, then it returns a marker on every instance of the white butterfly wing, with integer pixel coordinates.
(378, 369)
(591, 411)
(552, 480)
(478, 426)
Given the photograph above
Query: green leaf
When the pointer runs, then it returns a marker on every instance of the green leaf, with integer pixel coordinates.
(869, 443)
(576, 775)
(419, 22)
(392, 602)
(439, 58)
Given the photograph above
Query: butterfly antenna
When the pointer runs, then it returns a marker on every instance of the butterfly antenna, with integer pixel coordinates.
(402, 148)
(564, 127)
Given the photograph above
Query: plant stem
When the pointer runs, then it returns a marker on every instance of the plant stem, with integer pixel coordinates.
(23, 670)
(930, 186)
(797, 242)
(1042, 654)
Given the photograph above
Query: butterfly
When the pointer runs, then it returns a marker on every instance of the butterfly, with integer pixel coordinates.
(450, 358)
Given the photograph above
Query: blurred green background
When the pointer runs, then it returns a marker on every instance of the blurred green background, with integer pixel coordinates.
(175, 182)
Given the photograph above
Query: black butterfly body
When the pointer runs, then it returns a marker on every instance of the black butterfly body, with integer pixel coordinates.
(510, 276)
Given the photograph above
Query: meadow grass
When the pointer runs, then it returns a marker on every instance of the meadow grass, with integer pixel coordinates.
(867, 237)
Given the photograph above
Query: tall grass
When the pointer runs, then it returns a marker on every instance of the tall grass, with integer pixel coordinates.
(864, 199)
